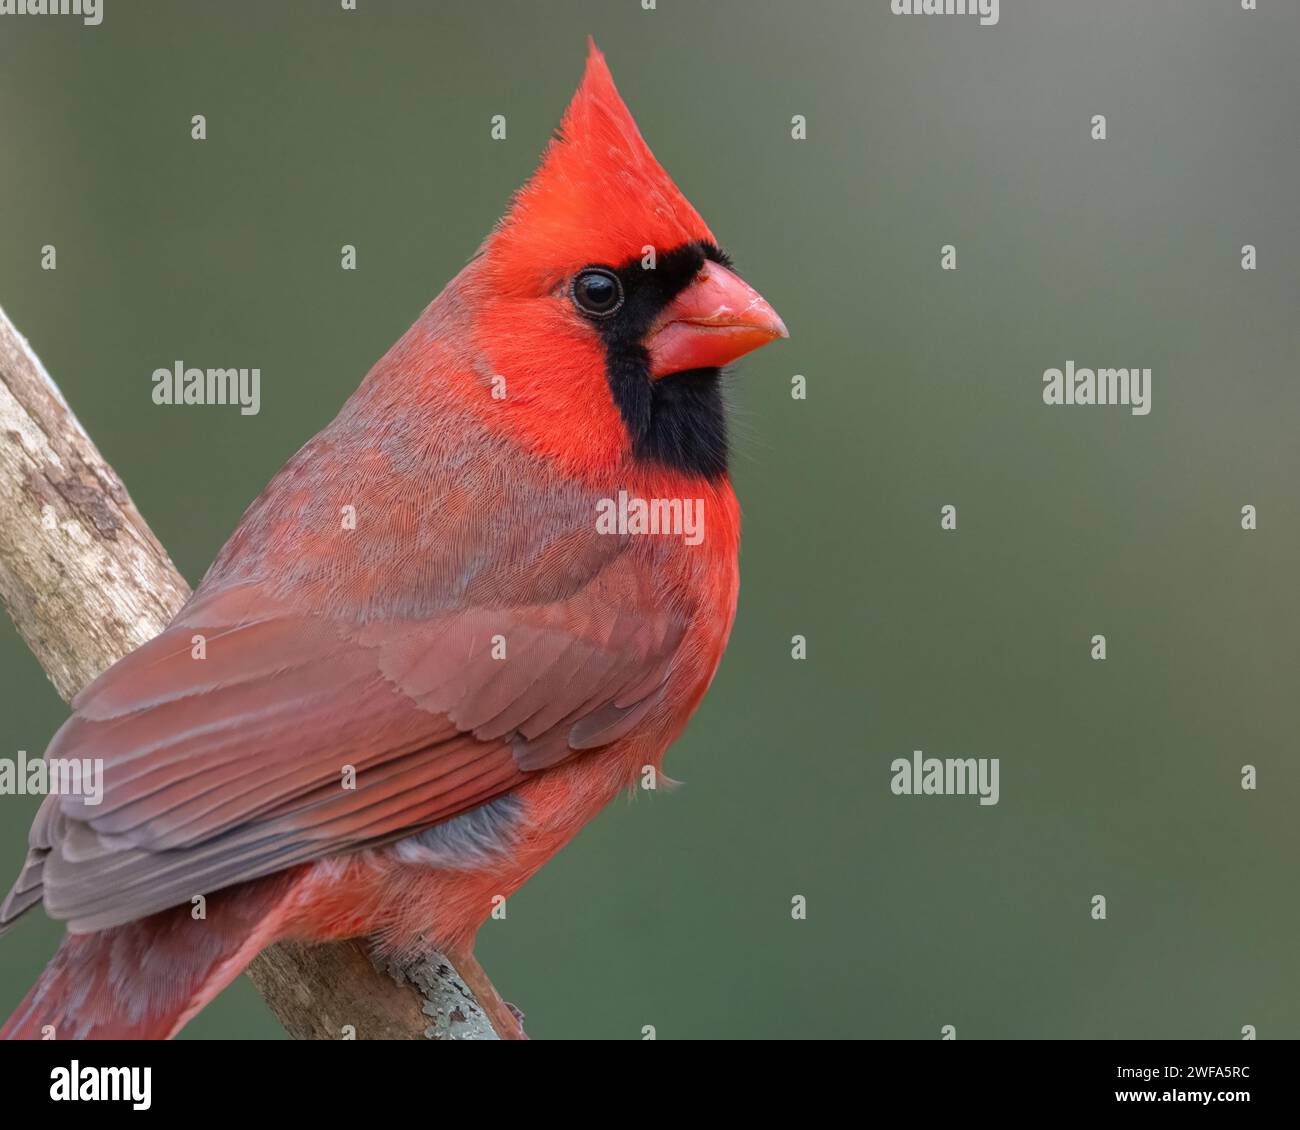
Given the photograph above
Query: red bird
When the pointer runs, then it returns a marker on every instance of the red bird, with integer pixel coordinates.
(430, 596)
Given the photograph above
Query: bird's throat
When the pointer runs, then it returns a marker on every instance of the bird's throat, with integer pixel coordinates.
(678, 421)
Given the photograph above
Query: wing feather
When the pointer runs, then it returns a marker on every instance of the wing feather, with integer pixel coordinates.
(225, 768)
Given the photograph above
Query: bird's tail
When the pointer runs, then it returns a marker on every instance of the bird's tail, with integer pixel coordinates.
(144, 980)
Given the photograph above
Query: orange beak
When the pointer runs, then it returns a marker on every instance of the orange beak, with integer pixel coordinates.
(716, 319)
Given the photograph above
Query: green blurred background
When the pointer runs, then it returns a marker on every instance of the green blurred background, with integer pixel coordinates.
(1120, 778)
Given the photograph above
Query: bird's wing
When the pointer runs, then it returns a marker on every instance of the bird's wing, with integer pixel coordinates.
(225, 742)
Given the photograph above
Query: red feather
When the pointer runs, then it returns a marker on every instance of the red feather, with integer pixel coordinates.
(373, 646)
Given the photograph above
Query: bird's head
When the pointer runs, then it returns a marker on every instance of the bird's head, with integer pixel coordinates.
(606, 305)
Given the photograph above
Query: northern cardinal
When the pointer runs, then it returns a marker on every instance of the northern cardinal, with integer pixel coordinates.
(424, 597)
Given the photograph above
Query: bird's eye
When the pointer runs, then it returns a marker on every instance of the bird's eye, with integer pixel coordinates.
(597, 291)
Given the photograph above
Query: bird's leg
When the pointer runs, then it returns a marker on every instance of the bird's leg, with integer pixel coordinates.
(504, 1018)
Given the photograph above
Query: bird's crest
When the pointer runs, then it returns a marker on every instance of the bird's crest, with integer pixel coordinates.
(599, 196)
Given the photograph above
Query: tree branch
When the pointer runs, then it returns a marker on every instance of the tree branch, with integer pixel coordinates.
(86, 582)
